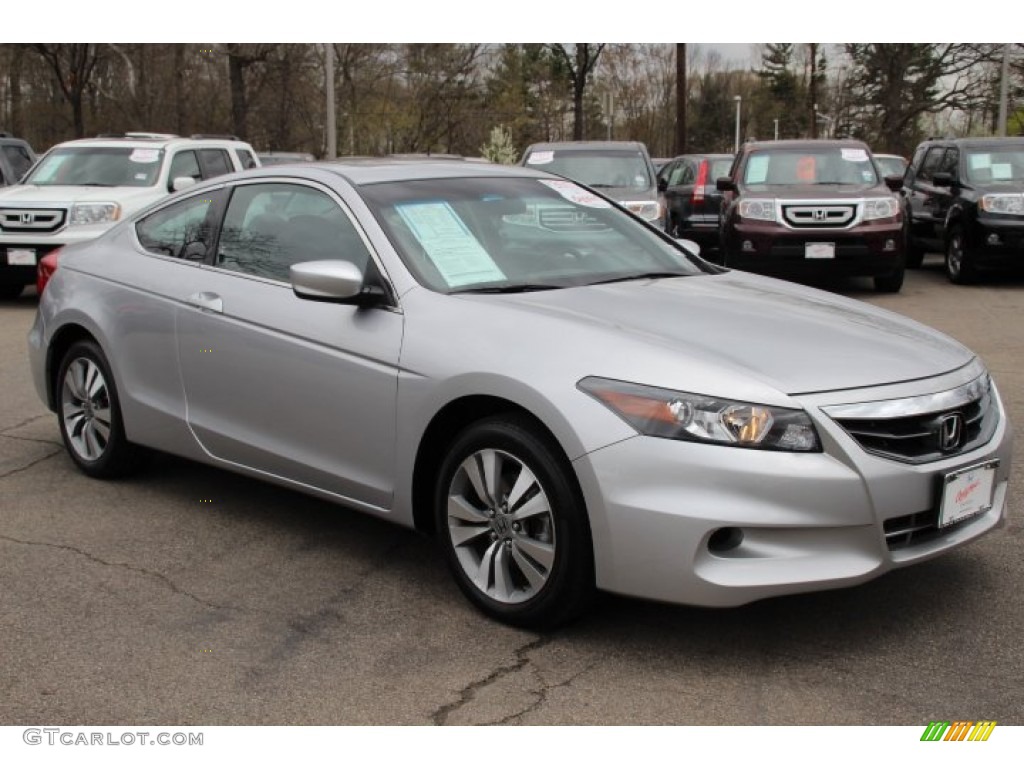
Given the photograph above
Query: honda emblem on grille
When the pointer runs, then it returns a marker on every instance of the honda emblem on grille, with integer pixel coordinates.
(951, 431)
(820, 214)
(28, 218)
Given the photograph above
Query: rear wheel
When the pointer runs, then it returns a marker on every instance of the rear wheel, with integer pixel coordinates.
(90, 414)
(959, 265)
(512, 525)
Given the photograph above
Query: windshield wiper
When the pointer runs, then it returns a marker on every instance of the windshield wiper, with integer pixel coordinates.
(93, 184)
(640, 276)
(601, 186)
(512, 288)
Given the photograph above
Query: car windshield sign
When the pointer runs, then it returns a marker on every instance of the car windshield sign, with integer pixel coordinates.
(831, 165)
(488, 233)
(996, 165)
(98, 167)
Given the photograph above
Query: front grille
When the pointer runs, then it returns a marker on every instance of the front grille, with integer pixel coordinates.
(567, 219)
(915, 529)
(31, 220)
(959, 421)
(811, 216)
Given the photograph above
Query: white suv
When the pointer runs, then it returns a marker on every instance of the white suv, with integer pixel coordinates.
(79, 189)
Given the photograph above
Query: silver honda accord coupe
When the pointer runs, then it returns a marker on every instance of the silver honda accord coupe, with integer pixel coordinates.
(566, 398)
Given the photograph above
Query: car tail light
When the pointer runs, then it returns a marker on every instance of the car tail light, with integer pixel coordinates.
(702, 179)
(47, 266)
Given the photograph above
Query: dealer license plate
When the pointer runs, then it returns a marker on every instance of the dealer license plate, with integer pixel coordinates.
(967, 492)
(820, 251)
(21, 257)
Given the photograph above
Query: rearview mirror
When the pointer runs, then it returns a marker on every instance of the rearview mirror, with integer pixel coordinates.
(895, 183)
(942, 179)
(725, 184)
(689, 245)
(326, 280)
(662, 184)
(182, 182)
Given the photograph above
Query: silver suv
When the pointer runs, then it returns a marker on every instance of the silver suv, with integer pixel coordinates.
(79, 189)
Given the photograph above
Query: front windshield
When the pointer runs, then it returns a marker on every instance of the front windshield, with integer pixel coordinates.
(820, 165)
(1002, 164)
(506, 234)
(595, 168)
(98, 167)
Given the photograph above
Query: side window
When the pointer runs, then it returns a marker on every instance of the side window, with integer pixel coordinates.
(246, 158)
(666, 172)
(950, 161)
(19, 160)
(215, 162)
(931, 164)
(184, 164)
(182, 230)
(687, 176)
(269, 227)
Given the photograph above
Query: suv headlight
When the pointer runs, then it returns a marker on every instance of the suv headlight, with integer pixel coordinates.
(699, 418)
(94, 213)
(759, 209)
(648, 210)
(880, 208)
(1003, 203)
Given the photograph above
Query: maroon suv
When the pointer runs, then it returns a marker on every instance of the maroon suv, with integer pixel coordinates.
(812, 208)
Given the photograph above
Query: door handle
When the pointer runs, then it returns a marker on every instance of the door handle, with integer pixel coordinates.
(206, 301)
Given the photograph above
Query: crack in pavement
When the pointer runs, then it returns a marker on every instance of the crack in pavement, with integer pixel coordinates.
(26, 422)
(31, 464)
(152, 574)
(32, 439)
(468, 693)
(542, 694)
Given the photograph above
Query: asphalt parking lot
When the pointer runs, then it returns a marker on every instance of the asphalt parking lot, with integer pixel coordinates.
(189, 595)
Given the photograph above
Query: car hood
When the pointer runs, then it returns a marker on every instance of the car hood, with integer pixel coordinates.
(733, 327)
(130, 198)
(817, 191)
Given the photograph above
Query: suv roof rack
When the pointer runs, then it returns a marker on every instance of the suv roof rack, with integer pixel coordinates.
(227, 136)
(138, 135)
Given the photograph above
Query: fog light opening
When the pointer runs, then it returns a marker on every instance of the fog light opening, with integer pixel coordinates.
(748, 246)
(725, 539)
(993, 239)
(890, 245)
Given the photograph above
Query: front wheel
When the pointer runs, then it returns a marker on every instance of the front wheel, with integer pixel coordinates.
(512, 525)
(959, 266)
(90, 414)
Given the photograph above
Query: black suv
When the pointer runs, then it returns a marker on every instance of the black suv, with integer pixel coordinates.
(812, 208)
(965, 197)
(16, 157)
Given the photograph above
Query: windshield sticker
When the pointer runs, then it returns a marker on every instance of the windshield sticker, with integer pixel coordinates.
(980, 161)
(141, 176)
(145, 155)
(757, 169)
(1002, 171)
(540, 158)
(806, 168)
(449, 244)
(576, 194)
(854, 155)
(867, 175)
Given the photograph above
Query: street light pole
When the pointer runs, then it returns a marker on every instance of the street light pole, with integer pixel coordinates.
(739, 102)
(331, 127)
(776, 121)
(1003, 89)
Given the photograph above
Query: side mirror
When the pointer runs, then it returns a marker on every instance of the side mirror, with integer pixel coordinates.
(662, 184)
(725, 184)
(326, 280)
(942, 179)
(182, 182)
(895, 183)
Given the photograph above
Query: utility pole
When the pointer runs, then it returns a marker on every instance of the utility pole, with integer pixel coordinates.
(739, 103)
(813, 89)
(681, 99)
(331, 122)
(776, 121)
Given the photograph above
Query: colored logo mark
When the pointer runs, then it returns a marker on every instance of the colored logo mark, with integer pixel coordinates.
(958, 730)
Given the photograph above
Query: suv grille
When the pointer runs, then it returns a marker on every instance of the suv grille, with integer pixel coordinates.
(31, 219)
(566, 219)
(811, 215)
(964, 420)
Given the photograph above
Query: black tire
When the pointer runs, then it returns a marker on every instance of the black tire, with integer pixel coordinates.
(537, 568)
(892, 282)
(915, 253)
(87, 408)
(9, 292)
(960, 267)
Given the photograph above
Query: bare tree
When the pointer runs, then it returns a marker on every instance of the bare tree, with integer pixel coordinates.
(73, 64)
(579, 63)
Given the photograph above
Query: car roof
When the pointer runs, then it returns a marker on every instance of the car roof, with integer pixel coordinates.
(978, 141)
(586, 145)
(806, 144)
(380, 170)
(151, 142)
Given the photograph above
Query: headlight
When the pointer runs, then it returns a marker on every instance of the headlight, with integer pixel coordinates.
(686, 416)
(880, 208)
(1003, 203)
(762, 210)
(94, 213)
(648, 210)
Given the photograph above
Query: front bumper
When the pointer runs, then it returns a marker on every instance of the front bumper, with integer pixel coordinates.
(808, 521)
(868, 249)
(996, 241)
